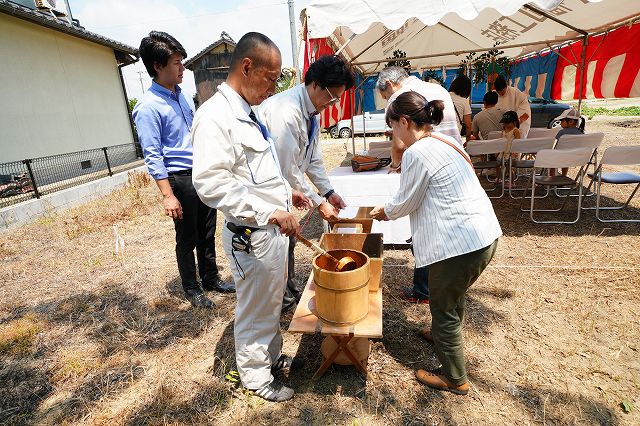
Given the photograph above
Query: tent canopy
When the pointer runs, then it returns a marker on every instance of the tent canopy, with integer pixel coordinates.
(435, 33)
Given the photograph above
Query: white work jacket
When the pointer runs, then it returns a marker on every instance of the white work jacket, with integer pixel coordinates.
(515, 100)
(235, 167)
(288, 116)
(433, 91)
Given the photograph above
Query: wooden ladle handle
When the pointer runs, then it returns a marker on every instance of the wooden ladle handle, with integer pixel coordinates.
(315, 247)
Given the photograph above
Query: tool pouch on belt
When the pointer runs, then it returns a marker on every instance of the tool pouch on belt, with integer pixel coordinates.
(365, 163)
(241, 239)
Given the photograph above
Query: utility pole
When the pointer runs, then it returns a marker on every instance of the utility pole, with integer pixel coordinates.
(294, 39)
(140, 77)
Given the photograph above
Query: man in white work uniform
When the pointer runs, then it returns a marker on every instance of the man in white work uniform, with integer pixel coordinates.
(236, 171)
(512, 99)
(293, 120)
(392, 82)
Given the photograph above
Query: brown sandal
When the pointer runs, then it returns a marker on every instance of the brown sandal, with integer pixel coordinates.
(425, 333)
(434, 379)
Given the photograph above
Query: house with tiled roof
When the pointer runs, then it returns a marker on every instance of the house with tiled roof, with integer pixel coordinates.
(63, 89)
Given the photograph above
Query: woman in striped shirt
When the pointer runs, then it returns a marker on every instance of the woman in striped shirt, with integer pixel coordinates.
(454, 228)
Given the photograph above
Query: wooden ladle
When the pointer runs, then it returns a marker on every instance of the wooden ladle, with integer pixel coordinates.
(345, 264)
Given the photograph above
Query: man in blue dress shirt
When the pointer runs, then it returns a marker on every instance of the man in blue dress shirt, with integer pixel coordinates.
(163, 120)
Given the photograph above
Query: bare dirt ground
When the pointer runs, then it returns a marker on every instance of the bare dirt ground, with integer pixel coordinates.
(90, 337)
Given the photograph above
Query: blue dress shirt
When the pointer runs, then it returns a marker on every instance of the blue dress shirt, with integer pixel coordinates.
(163, 121)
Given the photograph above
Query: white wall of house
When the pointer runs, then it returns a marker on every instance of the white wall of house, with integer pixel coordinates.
(60, 93)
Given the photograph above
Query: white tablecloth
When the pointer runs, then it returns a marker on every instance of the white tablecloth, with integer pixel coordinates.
(370, 189)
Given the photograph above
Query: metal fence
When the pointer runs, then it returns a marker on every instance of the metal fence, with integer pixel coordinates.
(35, 177)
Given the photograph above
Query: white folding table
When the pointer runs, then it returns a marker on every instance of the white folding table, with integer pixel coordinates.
(370, 189)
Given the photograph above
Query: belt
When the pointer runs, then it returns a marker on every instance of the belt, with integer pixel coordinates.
(240, 228)
(186, 172)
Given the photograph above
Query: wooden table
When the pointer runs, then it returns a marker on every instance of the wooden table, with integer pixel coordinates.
(305, 321)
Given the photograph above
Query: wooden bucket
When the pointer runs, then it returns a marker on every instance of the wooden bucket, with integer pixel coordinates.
(369, 244)
(342, 297)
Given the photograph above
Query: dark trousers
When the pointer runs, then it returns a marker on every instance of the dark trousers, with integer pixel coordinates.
(196, 230)
(449, 280)
(291, 291)
(421, 281)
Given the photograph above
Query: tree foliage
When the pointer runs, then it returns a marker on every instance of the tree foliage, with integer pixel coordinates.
(486, 64)
(132, 104)
(286, 80)
(397, 61)
(432, 75)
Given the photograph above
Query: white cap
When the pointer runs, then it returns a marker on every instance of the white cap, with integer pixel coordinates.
(570, 113)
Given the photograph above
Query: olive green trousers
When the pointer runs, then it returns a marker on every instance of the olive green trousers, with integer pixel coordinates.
(449, 280)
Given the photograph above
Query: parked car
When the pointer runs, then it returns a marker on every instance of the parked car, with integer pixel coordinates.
(543, 112)
(371, 122)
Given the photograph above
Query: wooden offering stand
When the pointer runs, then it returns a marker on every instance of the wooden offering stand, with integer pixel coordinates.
(345, 343)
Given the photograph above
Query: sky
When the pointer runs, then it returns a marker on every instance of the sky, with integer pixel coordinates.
(194, 23)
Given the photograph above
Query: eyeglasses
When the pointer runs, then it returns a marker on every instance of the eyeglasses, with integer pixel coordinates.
(334, 100)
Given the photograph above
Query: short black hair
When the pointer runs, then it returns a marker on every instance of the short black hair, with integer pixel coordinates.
(500, 83)
(490, 98)
(510, 117)
(251, 46)
(461, 86)
(329, 71)
(157, 47)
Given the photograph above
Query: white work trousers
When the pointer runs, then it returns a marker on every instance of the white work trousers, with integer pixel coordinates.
(259, 301)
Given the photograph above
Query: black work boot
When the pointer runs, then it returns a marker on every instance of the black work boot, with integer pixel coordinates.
(218, 285)
(198, 299)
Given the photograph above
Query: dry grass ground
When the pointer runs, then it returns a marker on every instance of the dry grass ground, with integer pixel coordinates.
(90, 337)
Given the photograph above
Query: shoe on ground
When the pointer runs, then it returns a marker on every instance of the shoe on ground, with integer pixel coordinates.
(218, 285)
(285, 362)
(199, 300)
(409, 295)
(436, 380)
(425, 333)
(276, 391)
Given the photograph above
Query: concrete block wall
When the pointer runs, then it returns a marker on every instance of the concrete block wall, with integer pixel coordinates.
(30, 211)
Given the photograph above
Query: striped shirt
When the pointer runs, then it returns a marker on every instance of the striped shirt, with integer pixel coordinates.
(432, 91)
(449, 212)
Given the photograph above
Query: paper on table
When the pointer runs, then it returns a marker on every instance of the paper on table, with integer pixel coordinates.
(348, 212)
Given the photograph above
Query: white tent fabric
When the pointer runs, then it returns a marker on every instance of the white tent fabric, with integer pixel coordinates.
(366, 32)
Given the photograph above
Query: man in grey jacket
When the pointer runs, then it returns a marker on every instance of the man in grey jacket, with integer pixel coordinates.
(292, 118)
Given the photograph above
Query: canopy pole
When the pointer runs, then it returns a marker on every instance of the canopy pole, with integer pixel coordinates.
(553, 18)
(369, 47)
(294, 38)
(364, 130)
(353, 129)
(583, 60)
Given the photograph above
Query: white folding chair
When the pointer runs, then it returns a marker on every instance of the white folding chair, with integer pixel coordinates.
(540, 132)
(616, 156)
(550, 158)
(495, 146)
(589, 140)
(526, 146)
